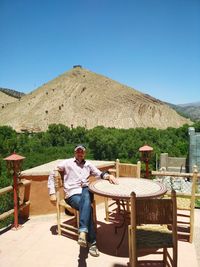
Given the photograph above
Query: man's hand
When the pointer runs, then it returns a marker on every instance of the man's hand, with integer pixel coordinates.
(52, 198)
(112, 179)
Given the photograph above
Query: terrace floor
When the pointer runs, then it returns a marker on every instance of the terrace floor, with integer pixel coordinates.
(37, 244)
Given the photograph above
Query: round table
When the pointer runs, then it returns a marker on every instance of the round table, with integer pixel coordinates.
(143, 188)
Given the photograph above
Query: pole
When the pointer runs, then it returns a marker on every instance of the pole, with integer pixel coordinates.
(15, 199)
(147, 168)
(14, 163)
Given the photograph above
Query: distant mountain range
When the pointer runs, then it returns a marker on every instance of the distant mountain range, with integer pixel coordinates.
(195, 104)
(81, 97)
(190, 110)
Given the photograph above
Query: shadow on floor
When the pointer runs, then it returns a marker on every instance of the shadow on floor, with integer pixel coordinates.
(107, 241)
(83, 255)
(71, 235)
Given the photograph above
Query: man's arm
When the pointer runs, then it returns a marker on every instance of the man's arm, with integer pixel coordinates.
(103, 175)
(109, 177)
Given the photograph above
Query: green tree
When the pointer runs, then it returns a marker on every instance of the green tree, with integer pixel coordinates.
(8, 140)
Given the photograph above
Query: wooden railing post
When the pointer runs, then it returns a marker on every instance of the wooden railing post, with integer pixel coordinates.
(117, 168)
(194, 186)
(24, 206)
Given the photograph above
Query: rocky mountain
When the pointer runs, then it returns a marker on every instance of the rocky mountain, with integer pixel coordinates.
(8, 96)
(80, 97)
(12, 93)
(5, 99)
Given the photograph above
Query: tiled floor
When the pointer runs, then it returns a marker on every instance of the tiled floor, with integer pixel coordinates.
(37, 244)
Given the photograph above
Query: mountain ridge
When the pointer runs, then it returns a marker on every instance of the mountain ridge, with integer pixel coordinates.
(12, 92)
(80, 97)
(190, 110)
(193, 104)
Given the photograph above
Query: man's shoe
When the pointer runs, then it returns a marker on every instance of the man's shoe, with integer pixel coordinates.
(82, 239)
(93, 250)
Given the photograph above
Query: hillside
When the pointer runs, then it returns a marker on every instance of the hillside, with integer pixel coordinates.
(11, 92)
(82, 98)
(5, 99)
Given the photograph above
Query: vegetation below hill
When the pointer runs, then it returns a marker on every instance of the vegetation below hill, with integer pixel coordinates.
(103, 144)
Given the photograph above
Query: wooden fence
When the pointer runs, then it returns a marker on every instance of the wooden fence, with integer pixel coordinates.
(183, 178)
(24, 198)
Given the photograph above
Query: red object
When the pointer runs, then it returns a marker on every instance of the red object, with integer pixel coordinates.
(14, 162)
(14, 157)
(145, 156)
(146, 148)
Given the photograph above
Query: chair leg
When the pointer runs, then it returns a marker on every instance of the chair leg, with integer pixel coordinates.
(191, 225)
(175, 256)
(58, 219)
(132, 249)
(129, 246)
(94, 215)
(165, 257)
(106, 209)
(76, 215)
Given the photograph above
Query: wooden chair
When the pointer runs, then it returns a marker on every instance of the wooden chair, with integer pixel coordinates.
(126, 169)
(148, 232)
(185, 185)
(121, 170)
(71, 225)
(185, 209)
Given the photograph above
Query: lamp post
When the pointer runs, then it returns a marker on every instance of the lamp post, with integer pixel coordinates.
(14, 164)
(145, 156)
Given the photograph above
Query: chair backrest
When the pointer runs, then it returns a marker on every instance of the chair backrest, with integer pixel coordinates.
(58, 182)
(127, 169)
(158, 213)
(153, 211)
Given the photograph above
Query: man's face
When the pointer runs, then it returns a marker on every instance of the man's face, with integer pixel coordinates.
(80, 154)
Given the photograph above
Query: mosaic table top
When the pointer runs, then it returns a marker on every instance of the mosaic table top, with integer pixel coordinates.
(144, 188)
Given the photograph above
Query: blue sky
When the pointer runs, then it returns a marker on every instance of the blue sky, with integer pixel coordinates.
(150, 45)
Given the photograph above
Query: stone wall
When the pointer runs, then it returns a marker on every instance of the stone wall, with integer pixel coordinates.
(173, 164)
(194, 148)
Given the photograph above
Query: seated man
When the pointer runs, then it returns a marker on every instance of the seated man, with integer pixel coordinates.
(76, 172)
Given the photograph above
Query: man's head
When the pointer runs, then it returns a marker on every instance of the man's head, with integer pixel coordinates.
(79, 152)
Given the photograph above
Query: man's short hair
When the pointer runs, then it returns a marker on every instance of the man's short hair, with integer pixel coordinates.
(79, 147)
